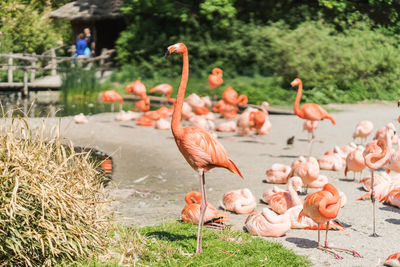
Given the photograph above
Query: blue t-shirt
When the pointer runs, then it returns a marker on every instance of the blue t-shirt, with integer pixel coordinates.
(81, 45)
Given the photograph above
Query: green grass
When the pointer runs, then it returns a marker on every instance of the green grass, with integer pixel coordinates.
(173, 244)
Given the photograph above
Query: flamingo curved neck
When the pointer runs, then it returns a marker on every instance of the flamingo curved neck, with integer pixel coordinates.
(177, 129)
(377, 160)
(329, 207)
(297, 101)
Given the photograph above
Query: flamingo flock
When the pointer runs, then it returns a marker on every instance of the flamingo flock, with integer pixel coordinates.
(289, 208)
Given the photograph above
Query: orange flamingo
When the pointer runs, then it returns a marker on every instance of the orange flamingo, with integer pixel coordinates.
(239, 201)
(363, 130)
(191, 212)
(142, 105)
(393, 260)
(323, 206)
(110, 96)
(309, 111)
(137, 88)
(215, 79)
(165, 89)
(307, 223)
(199, 148)
(145, 121)
(376, 155)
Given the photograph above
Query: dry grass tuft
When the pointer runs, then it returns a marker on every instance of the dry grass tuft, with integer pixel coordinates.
(51, 201)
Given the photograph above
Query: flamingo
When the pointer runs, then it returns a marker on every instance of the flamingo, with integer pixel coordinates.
(310, 127)
(80, 119)
(376, 155)
(332, 162)
(199, 148)
(267, 126)
(245, 122)
(280, 201)
(363, 130)
(323, 206)
(355, 161)
(267, 223)
(215, 79)
(191, 212)
(228, 126)
(394, 162)
(110, 96)
(165, 89)
(145, 121)
(126, 116)
(319, 182)
(198, 105)
(278, 173)
(162, 124)
(142, 105)
(309, 111)
(137, 88)
(394, 198)
(307, 223)
(307, 170)
(239, 201)
(393, 260)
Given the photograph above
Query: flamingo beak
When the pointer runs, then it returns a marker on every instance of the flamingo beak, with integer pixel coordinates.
(398, 103)
(167, 53)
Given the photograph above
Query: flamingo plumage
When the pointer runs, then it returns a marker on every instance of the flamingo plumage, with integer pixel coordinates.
(202, 151)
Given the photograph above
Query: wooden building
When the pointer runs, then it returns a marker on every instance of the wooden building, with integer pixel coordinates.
(102, 17)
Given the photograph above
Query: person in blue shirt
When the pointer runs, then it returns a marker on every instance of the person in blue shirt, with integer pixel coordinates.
(80, 45)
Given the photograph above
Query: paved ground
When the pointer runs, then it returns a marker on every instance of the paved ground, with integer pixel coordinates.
(151, 177)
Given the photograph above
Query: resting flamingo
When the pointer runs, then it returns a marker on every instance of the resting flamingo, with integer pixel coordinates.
(199, 148)
(309, 111)
(239, 201)
(267, 223)
(80, 119)
(278, 173)
(307, 170)
(165, 89)
(394, 259)
(142, 105)
(323, 206)
(355, 162)
(110, 96)
(363, 130)
(215, 79)
(191, 212)
(376, 155)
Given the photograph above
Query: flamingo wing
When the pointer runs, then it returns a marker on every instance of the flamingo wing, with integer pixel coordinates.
(202, 151)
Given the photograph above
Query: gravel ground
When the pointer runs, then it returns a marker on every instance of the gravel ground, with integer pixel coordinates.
(151, 177)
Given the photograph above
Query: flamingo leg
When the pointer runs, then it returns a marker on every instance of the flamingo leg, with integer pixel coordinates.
(203, 207)
(326, 248)
(374, 234)
(120, 106)
(112, 107)
(351, 251)
(310, 143)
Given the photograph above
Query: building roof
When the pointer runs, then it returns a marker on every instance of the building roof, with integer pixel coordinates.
(89, 10)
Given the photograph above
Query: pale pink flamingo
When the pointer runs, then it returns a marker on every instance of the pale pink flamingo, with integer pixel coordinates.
(393, 260)
(394, 162)
(379, 177)
(228, 126)
(80, 119)
(239, 201)
(162, 124)
(198, 147)
(346, 149)
(394, 198)
(363, 130)
(245, 122)
(187, 111)
(376, 155)
(323, 206)
(381, 132)
(201, 122)
(319, 182)
(355, 161)
(191, 212)
(333, 162)
(278, 173)
(307, 223)
(307, 170)
(309, 111)
(165, 89)
(110, 96)
(165, 112)
(310, 127)
(280, 201)
(267, 223)
(126, 116)
(198, 105)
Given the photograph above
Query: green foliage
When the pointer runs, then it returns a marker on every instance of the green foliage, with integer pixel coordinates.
(79, 81)
(172, 244)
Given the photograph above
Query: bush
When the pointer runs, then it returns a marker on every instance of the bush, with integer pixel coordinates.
(51, 204)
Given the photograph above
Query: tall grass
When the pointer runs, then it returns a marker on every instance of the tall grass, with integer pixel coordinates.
(78, 81)
(52, 207)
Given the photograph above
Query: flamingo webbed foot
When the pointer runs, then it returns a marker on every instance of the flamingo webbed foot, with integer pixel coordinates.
(329, 250)
(374, 235)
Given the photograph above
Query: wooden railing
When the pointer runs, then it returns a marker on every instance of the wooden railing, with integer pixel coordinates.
(49, 64)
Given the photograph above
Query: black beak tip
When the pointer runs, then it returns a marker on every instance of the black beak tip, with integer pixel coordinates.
(167, 53)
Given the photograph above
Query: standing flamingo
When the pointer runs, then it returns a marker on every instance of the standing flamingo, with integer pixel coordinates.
(137, 88)
(165, 89)
(363, 129)
(110, 96)
(323, 206)
(355, 162)
(199, 148)
(215, 79)
(309, 111)
(376, 155)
